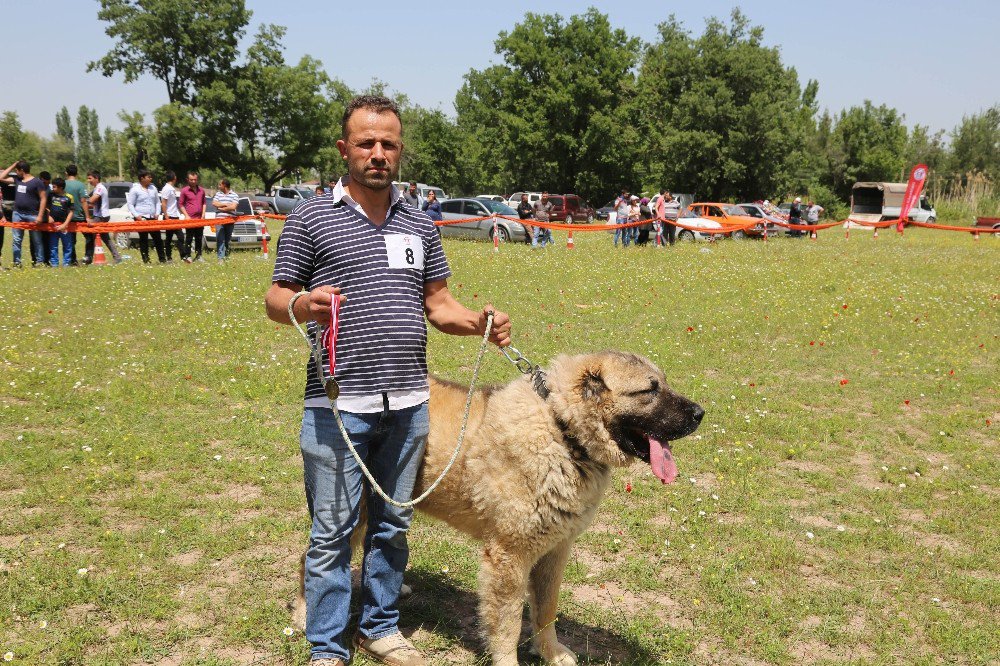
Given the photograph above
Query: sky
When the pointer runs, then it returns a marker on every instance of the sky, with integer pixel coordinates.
(935, 62)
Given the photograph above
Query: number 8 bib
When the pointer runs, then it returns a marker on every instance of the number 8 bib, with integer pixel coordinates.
(404, 251)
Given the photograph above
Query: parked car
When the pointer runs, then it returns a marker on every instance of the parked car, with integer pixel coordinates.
(117, 189)
(687, 218)
(570, 208)
(7, 192)
(262, 207)
(604, 212)
(246, 233)
(756, 210)
(729, 215)
(988, 224)
(492, 197)
(515, 199)
(507, 230)
(285, 199)
(876, 202)
(422, 189)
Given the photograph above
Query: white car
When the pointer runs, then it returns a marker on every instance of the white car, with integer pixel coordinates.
(689, 219)
(247, 234)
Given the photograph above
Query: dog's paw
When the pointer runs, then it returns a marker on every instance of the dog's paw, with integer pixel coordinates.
(557, 654)
(299, 616)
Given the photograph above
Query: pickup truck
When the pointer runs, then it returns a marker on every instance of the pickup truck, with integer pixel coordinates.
(284, 199)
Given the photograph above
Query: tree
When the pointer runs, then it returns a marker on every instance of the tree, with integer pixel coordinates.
(432, 147)
(187, 44)
(15, 143)
(89, 143)
(176, 138)
(922, 147)
(64, 124)
(723, 117)
(269, 119)
(553, 116)
(976, 144)
(867, 143)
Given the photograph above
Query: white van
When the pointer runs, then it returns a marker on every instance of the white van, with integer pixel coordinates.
(515, 198)
(875, 202)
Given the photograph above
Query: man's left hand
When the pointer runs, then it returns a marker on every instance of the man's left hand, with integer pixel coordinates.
(500, 333)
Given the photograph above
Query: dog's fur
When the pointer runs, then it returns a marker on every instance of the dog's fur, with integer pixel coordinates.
(531, 474)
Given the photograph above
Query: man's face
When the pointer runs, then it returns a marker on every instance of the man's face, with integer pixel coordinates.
(413, 189)
(524, 198)
(91, 181)
(372, 147)
(222, 186)
(192, 180)
(145, 180)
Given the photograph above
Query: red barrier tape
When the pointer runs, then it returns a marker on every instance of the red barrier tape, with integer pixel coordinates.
(115, 227)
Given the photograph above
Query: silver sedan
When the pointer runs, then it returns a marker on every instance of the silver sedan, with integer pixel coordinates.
(457, 209)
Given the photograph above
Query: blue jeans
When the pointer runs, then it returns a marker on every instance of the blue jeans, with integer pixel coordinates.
(392, 448)
(67, 244)
(35, 238)
(223, 235)
(541, 237)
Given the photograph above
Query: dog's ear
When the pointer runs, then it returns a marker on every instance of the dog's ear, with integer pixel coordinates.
(592, 386)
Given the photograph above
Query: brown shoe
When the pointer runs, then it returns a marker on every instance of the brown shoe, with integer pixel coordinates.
(327, 661)
(393, 650)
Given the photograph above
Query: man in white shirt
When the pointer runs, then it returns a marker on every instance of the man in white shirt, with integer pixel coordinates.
(143, 202)
(813, 212)
(98, 211)
(171, 211)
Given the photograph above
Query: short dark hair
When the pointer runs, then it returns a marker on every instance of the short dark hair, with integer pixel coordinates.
(169, 176)
(59, 182)
(225, 181)
(376, 103)
(413, 183)
(193, 173)
(71, 170)
(45, 175)
(95, 173)
(143, 173)
(23, 166)
(662, 192)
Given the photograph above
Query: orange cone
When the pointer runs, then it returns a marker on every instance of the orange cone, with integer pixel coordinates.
(569, 241)
(876, 233)
(812, 236)
(99, 259)
(263, 235)
(975, 235)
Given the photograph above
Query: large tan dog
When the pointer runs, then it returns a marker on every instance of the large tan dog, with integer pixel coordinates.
(534, 467)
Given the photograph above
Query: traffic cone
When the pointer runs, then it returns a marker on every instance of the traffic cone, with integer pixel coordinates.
(876, 233)
(569, 240)
(263, 235)
(99, 259)
(975, 235)
(812, 236)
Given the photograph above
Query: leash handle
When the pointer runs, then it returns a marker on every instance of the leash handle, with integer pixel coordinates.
(331, 332)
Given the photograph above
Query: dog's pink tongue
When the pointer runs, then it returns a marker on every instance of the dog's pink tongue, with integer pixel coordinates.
(662, 461)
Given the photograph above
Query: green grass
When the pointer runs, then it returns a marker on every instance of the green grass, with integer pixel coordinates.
(150, 419)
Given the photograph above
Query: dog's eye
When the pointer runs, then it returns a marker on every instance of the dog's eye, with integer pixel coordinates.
(653, 388)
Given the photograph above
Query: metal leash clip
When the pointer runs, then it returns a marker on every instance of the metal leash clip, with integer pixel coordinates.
(523, 365)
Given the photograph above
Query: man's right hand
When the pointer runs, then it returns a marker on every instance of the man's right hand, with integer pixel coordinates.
(320, 303)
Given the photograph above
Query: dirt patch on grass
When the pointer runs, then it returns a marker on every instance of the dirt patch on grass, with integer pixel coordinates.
(186, 559)
(614, 596)
(807, 466)
(817, 521)
(865, 475)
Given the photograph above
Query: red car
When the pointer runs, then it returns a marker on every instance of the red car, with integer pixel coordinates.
(570, 208)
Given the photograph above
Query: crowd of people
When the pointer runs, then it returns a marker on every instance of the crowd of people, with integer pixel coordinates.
(631, 209)
(42, 199)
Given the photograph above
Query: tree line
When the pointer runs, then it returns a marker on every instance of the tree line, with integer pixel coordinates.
(574, 105)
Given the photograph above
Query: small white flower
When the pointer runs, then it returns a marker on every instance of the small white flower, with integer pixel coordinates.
(666, 542)
(701, 513)
(884, 468)
(8, 656)
(161, 531)
(617, 541)
(936, 600)
(945, 468)
(941, 432)
(82, 572)
(693, 480)
(841, 528)
(288, 631)
(902, 485)
(715, 497)
(43, 624)
(61, 546)
(752, 582)
(87, 449)
(217, 457)
(19, 438)
(444, 569)
(878, 520)
(692, 546)
(810, 535)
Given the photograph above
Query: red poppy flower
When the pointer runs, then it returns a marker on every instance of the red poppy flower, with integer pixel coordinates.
(906, 402)
(843, 382)
(628, 487)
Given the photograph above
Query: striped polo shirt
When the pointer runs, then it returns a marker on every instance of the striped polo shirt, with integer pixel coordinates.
(382, 342)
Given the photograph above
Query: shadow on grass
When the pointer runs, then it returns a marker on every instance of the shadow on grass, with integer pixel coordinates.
(440, 606)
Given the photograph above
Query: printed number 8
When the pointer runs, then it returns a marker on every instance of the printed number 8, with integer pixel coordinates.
(409, 256)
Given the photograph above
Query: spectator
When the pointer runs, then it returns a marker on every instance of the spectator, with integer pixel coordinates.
(813, 211)
(543, 212)
(143, 202)
(46, 236)
(192, 207)
(795, 216)
(412, 197)
(621, 217)
(433, 207)
(225, 202)
(645, 213)
(100, 212)
(526, 211)
(78, 192)
(320, 191)
(634, 215)
(671, 212)
(660, 213)
(60, 213)
(171, 211)
(30, 200)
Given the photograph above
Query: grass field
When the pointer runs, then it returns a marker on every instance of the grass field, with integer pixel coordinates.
(838, 505)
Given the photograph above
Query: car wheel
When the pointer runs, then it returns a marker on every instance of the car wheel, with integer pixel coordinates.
(590, 218)
(686, 236)
(120, 239)
(931, 220)
(569, 219)
(739, 234)
(502, 233)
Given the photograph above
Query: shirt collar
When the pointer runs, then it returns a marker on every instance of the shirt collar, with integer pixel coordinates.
(340, 194)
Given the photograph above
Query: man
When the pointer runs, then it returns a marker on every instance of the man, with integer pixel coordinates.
(813, 212)
(412, 197)
(143, 201)
(526, 211)
(225, 202)
(99, 211)
(30, 200)
(78, 192)
(621, 217)
(59, 213)
(671, 211)
(171, 211)
(795, 217)
(660, 213)
(192, 207)
(367, 247)
(543, 213)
